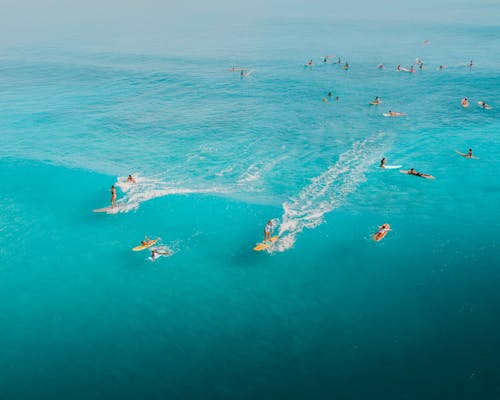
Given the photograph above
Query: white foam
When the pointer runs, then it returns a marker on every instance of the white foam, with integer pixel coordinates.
(147, 188)
(328, 191)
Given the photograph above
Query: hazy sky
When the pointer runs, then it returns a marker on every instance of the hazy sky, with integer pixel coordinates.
(46, 21)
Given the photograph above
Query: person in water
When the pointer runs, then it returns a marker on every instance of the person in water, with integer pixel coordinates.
(465, 102)
(155, 253)
(382, 163)
(395, 113)
(470, 64)
(380, 66)
(412, 69)
(416, 173)
(310, 63)
(146, 241)
(381, 232)
(131, 179)
(469, 154)
(483, 104)
(330, 94)
(346, 65)
(398, 68)
(113, 196)
(377, 100)
(267, 231)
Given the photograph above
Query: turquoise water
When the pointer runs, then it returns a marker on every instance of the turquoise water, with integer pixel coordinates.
(328, 313)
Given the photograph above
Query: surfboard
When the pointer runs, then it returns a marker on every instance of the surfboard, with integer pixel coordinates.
(393, 166)
(145, 246)
(103, 210)
(108, 209)
(397, 115)
(265, 245)
(464, 154)
(378, 236)
(487, 107)
(426, 176)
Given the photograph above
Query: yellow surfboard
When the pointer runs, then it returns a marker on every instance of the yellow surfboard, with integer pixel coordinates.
(145, 246)
(265, 245)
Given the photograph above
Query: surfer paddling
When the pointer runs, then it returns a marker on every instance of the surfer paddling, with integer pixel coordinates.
(156, 253)
(416, 173)
(382, 231)
(395, 114)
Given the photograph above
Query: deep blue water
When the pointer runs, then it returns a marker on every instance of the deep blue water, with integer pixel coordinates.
(328, 313)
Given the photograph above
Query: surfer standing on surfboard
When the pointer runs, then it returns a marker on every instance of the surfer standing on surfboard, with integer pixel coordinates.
(113, 196)
(267, 231)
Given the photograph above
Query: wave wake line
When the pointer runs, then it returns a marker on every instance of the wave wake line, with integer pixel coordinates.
(328, 191)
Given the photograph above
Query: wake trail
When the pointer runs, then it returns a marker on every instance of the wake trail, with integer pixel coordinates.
(148, 188)
(329, 190)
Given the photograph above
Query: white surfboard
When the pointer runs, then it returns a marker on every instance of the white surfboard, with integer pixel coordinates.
(393, 166)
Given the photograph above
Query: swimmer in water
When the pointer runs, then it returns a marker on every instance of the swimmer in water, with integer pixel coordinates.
(310, 63)
(113, 196)
(412, 69)
(131, 179)
(464, 102)
(398, 68)
(330, 95)
(382, 163)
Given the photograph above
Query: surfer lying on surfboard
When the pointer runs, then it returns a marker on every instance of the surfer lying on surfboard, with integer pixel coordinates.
(394, 114)
(158, 252)
(416, 173)
(382, 231)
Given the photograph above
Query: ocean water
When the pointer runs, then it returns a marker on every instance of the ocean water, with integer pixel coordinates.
(328, 313)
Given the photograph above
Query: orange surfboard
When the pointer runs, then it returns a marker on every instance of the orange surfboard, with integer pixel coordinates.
(381, 232)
